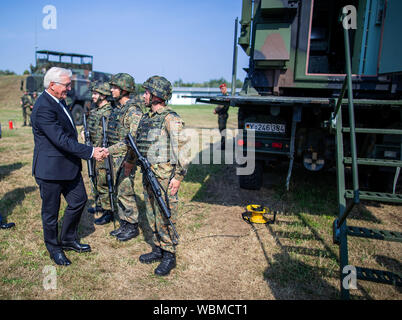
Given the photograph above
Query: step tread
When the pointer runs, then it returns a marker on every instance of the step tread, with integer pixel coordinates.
(374, 130)
(375, 162)
(375, 196)
(380, 276)
(374, 234)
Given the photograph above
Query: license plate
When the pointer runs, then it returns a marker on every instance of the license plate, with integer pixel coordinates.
(265, 127)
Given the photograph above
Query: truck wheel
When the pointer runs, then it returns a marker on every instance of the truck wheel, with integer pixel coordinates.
(78, 113)
(254, 180)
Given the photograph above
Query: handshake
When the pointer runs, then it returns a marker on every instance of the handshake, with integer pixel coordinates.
(100, 153)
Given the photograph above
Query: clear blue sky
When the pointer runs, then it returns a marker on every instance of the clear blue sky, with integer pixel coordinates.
(187, 39)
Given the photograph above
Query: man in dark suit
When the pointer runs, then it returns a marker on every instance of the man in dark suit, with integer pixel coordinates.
(57, 165)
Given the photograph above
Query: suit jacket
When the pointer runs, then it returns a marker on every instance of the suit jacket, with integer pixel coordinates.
(57, 153)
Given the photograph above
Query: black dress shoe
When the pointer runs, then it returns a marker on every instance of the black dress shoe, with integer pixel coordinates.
(60, 258)
(7, 225)
(76, 246)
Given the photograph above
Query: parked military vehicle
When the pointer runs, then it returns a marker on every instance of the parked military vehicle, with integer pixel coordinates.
(297, 69)
(304, 57)
(79, 97)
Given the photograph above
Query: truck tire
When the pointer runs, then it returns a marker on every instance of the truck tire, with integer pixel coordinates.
(253, 181)
(78, 113)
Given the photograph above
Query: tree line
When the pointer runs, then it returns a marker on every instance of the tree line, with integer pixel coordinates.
(213, 83)
(11, 73)
(7, 73)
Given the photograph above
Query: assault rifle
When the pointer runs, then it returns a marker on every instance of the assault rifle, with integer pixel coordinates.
(153, 183)
(91, 162)
(108, 168)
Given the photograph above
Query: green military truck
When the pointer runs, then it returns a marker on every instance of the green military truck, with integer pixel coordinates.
(324, 89)
(296, 71)
(79, 97)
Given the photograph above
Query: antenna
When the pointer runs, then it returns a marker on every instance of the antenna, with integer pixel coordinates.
(36, 37)
(234, 68)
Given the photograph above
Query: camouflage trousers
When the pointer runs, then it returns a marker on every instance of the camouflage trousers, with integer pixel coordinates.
(94, 189)
(28, 113)
(163, 234)
(25, 115)
(103, 199)
(126, 201)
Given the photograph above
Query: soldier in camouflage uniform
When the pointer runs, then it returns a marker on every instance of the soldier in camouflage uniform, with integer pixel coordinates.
(100, 92)
(124, 119)
(34, 97)
(27, 103)
(222, 112)
(161, 140)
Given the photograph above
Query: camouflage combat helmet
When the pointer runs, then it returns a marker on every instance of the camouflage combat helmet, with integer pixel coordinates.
(124, 81)
(101, 87)
(159, 87)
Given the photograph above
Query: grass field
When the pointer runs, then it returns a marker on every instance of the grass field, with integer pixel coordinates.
(220, 256)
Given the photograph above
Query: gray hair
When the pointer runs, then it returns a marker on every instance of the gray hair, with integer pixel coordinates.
(54, 74)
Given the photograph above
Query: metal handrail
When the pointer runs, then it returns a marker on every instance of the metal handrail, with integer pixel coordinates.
(347, 84)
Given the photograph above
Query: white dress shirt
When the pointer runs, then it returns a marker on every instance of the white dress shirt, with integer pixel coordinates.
(64, 109)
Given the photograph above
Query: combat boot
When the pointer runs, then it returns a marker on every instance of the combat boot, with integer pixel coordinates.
(105, 218)
(167, 264)
(155, 255)
(130, 231)
(95, 209)
(119, 230)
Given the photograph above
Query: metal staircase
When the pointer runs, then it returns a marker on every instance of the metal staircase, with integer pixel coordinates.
(341, 231)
